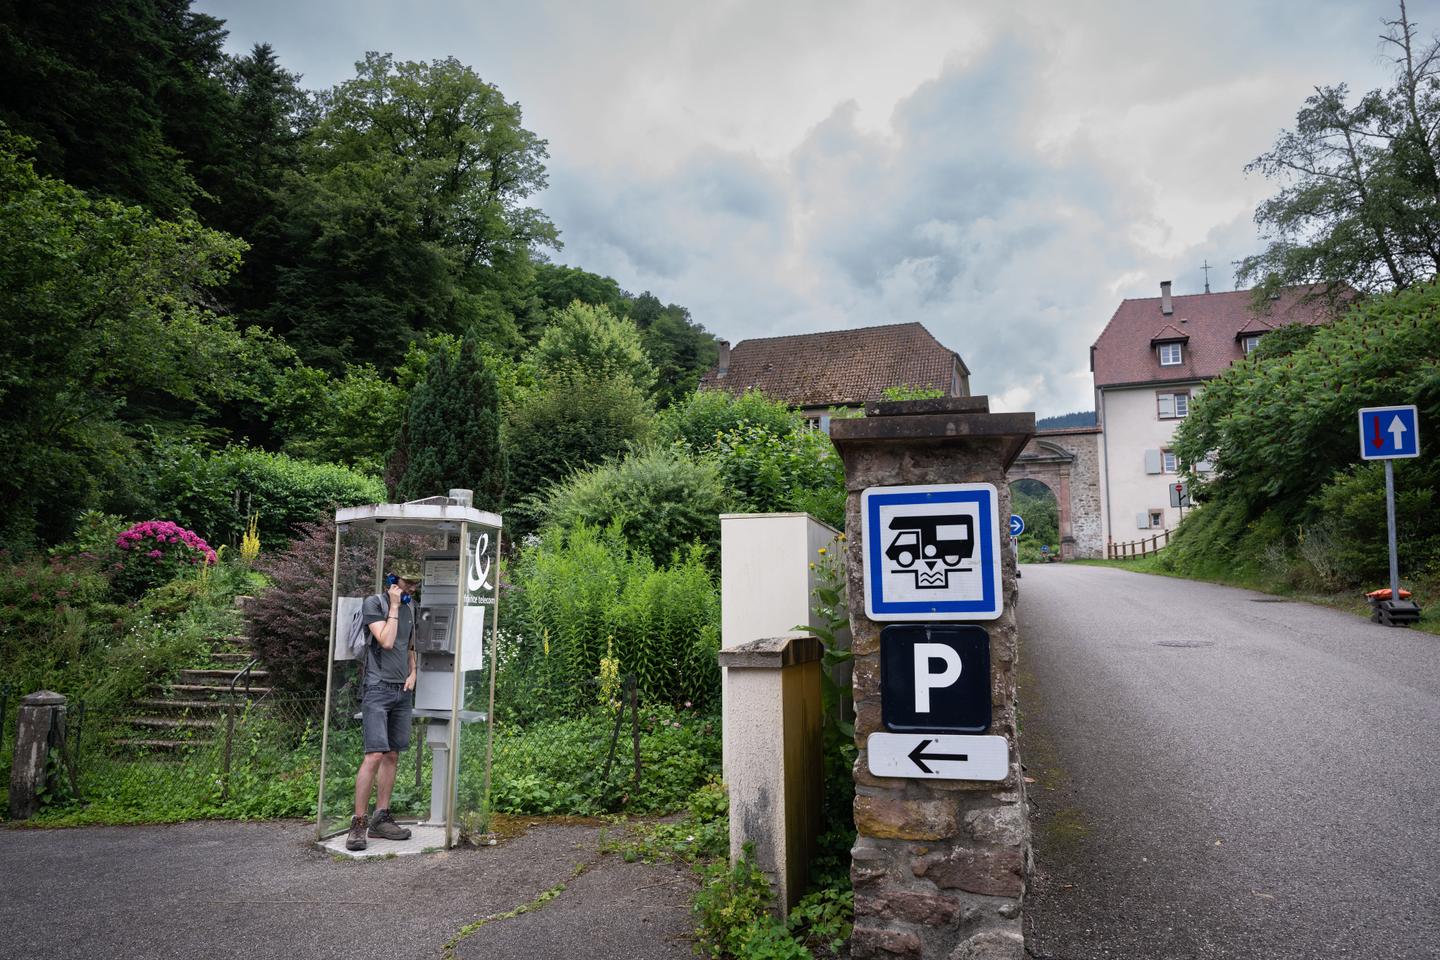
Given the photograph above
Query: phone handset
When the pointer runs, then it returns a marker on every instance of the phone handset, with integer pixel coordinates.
(390, 581)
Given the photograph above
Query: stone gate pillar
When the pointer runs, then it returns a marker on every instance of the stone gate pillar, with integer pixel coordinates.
(939, 865)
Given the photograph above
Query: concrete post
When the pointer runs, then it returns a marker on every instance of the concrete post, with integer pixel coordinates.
(938, 866)
(774, 757)
(41, 728)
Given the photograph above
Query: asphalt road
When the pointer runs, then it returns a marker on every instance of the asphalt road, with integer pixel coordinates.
(261, 891)
(1219, 775)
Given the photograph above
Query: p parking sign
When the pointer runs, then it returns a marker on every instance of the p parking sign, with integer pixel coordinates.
(935, 678)
(932, 552)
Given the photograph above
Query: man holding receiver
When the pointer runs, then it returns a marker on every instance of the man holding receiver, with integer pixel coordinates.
(385, 705)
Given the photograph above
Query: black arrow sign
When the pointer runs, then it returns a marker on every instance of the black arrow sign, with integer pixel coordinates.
(920, 756)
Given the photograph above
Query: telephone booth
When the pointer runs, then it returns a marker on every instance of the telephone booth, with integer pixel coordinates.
(442, 783)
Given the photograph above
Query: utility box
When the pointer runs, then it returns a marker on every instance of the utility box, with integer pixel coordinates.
(769, 566)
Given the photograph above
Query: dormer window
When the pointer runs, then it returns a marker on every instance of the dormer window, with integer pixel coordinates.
(1171, 354)
(1250, 341)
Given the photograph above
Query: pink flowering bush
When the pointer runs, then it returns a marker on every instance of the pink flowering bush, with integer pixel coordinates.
(155, 552)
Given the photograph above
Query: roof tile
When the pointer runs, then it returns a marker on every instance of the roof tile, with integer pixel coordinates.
(838, 366)
(1124, 352)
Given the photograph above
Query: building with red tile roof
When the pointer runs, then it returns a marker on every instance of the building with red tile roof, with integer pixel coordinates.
(839, 368)
(1149, 363)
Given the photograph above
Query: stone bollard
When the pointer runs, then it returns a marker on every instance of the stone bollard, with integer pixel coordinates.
(774, 757)
(41, 729)
(939, 865)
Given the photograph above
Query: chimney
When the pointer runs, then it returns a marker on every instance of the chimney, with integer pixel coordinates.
(722, 366)
(1166, 307)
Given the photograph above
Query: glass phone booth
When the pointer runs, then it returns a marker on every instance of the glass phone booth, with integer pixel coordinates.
(442, 784)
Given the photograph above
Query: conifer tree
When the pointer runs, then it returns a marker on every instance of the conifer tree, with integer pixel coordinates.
(451, 434)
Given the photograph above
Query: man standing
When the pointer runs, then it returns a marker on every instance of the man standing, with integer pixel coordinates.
(385, 704)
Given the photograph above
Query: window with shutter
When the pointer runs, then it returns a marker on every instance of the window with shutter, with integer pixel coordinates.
(1152, 461)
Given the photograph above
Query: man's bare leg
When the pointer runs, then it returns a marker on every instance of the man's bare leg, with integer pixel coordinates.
(389, 762)
(365, 780)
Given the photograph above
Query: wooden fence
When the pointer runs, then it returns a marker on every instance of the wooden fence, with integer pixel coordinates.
(1137, 548)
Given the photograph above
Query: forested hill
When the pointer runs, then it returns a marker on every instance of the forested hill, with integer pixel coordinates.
(199, 249)
(1066, 421)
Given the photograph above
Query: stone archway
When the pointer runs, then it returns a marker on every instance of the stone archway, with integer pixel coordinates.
(1068, 462)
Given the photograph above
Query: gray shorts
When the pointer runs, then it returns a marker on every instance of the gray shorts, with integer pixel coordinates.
(385, 716)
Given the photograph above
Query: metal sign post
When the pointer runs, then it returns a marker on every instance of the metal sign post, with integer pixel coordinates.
(1389, 434)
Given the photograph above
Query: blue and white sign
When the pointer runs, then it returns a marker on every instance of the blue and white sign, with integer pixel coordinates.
(1017, 524)
(1389, 433)
(932, 552)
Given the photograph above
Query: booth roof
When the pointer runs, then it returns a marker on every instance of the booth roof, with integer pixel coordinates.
(419, 516)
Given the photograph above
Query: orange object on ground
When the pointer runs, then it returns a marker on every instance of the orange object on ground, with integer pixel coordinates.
(1384, 594)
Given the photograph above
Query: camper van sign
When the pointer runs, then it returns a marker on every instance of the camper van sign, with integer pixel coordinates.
(932, 552)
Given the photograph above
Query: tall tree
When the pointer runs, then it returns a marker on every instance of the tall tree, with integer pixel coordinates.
(101, 318)
(1360, 199)
(121, 97)
(680, 349)
(451, 434)
(271, 117)
(412, 215)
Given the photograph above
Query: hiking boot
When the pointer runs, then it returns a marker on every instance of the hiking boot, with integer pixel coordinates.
(384, 827)
(356, 839)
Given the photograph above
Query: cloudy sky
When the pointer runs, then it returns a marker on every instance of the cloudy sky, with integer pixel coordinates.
(1003, 173)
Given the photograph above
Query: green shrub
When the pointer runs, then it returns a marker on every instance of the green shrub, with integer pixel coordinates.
(217, 493)
(59, 631)
(662, 499)
(1353, 503)
(349, 420)
(733, 910)
(776, 472)
(564, 427)
(698, 421)
(581, 592)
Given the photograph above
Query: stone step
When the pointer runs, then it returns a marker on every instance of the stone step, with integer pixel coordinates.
(237, 657)
(221, 676)
(173, 723)
(215, 691)
(200, 706)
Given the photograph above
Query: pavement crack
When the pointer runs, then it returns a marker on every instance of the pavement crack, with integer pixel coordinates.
(447, 952)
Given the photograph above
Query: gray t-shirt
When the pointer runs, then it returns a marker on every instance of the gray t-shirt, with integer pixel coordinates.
(381, 665)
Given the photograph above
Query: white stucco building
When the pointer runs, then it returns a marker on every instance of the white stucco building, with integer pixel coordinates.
(1150, 363)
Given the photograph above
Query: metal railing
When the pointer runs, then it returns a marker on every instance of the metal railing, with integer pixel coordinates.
(1143, 547)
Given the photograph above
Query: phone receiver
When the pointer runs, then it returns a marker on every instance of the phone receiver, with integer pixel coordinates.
(390, 581)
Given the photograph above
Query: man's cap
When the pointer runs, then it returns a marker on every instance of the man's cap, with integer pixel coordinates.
(408, 570)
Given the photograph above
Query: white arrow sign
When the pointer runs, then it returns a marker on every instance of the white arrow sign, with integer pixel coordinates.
(1397, 433)
(938, 756)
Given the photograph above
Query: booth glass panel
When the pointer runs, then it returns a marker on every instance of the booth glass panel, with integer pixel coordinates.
(479, 619)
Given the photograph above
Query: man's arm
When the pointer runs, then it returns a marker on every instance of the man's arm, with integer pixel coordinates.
(410, 680)
(385, 631)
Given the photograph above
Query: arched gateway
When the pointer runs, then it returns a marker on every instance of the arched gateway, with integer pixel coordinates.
(1068, 462)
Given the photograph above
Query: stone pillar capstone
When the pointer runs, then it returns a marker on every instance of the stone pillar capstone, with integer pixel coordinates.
(939, 866)
(39, 730)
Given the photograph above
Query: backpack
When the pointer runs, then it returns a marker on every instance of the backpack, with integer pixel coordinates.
(357, 635)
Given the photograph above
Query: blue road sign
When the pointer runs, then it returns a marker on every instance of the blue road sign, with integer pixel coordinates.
(1389, 433)
(932, 552)
(1017, 524)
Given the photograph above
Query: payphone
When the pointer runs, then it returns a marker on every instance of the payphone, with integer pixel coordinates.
(458, 547)
(435, 632)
